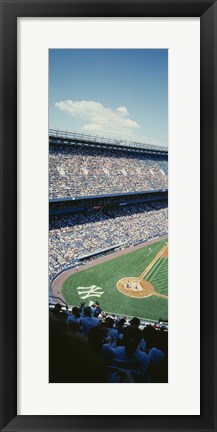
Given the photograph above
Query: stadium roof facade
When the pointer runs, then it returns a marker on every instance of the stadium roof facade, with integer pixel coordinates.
(58, 136)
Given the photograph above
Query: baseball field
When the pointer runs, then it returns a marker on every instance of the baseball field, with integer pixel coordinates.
(134, 283)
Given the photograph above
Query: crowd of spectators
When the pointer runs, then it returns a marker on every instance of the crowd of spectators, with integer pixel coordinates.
(83, 171)
(86, 345)
(79, 234)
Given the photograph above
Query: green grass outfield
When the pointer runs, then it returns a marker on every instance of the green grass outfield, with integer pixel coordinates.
(107, 274)
(158, 276)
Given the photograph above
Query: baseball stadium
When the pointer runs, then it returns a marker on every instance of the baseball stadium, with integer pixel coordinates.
(108, 237)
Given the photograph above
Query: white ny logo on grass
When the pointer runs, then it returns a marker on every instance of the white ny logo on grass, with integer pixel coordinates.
(92, 291)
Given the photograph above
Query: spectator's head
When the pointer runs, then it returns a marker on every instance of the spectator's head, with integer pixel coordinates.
(87, 311)
(97, 303)
(82, 304)
(150, 334)
(109, 322)
(76, 312)
(57, 308)
(120, 323)
(135, 322)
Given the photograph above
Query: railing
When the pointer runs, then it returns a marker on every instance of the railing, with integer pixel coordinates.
(111, 195)
(58, 298)
(58, 133)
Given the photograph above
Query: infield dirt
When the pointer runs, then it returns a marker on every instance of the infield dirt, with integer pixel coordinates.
(139, 287)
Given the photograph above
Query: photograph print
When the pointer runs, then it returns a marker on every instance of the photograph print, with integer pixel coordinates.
(108, 216)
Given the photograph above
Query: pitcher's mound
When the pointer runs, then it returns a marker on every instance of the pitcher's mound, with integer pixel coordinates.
(133, 288)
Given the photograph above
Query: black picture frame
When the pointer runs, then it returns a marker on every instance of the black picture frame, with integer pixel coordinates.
(10, 11)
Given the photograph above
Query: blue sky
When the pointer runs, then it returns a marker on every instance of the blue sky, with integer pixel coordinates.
(119, 93)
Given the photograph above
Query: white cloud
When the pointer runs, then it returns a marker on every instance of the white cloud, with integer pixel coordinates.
(122, 110)
(130, 123)
(98, 118)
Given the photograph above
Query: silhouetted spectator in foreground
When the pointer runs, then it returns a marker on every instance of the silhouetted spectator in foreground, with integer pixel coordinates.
(128, 356)
(135, 322)
(88, 322)
(96, 337)
(81, 308)
(158, 361)
(71, 359)
(57, 315)
(75, 316)
(112, 332)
